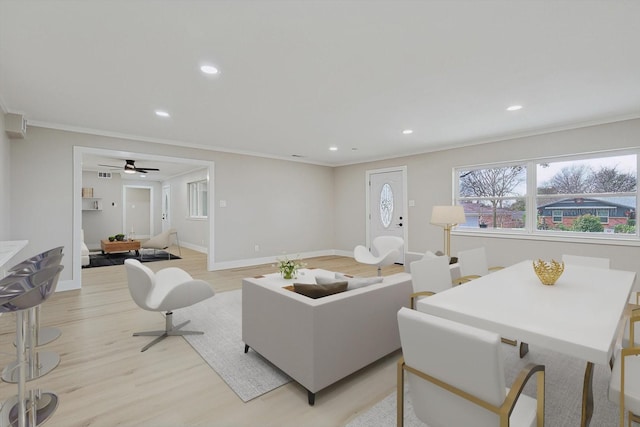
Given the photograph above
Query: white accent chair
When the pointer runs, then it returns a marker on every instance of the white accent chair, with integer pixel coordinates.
(429, 275)
(456, 376)
(161, 242)
(624, 385)
(167, 290)
(387, 251)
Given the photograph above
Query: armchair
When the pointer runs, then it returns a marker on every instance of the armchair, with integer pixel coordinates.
(161, 241)
(452, 386)
(167, 290)
(387, 248)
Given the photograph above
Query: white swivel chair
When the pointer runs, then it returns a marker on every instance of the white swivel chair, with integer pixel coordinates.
(167, 290)
(387, 251)
(429, 275)
(161, 241)
(624, 385)
(456, 376)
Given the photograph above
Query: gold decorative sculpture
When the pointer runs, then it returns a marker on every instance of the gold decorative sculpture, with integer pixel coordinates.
(548, 272)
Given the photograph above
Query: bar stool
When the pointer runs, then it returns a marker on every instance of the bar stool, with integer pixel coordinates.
(41, 362)
(19, 293)
(42, 260)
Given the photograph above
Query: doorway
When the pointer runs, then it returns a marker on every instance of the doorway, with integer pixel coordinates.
(166, 208)
(137, 211)
(80, 152)
(386, 205)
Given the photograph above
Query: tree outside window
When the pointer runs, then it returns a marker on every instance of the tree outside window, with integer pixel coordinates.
(581, 194)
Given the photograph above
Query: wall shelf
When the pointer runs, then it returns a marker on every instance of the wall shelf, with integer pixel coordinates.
(91, 204)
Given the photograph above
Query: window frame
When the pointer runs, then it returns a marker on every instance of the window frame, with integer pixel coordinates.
(194, 190)
(530, 230)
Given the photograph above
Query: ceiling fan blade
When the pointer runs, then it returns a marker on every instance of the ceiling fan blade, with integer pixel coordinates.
(150, 169)
(111, 166)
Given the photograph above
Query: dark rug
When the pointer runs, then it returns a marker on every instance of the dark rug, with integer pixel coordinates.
(117, 258)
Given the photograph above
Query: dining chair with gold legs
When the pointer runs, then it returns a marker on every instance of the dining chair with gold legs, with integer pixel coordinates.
(429, 275)
(624, 386)
(452, 386)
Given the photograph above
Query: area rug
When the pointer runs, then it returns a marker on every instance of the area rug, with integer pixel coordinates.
(117, 258)
(249, 375)
(563, 388)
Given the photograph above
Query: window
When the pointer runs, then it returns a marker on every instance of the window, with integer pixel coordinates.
(568, 195)
(593, 194)
(493, 197)
(198, 199)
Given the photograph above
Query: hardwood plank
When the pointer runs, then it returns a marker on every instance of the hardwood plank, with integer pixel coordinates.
(104, 380)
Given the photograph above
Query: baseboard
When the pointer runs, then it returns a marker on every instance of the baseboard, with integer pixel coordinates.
(196, 248)
(250, 262)
(68, 285)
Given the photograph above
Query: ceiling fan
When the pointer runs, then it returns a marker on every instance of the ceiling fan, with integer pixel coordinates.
(130, 167)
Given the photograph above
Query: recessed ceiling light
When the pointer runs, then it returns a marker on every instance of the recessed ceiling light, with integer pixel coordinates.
(143, 175)
(333, 148)
(161, 113)
(209, 69)
(407, 132)
(514, 107)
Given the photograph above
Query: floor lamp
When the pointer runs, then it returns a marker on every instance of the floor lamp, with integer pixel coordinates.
(446, 217)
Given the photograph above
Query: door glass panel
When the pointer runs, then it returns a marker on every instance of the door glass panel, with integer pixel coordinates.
(386, 205)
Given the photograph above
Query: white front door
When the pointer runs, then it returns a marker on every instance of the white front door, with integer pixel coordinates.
(166, 208)
(386, 214)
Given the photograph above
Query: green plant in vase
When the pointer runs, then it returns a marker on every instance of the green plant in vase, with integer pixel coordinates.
(289, 267)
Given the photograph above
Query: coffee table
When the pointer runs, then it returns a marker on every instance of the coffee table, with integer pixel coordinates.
(120, 246)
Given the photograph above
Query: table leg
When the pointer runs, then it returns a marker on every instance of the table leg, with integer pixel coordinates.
(587, 396)
(524, 349)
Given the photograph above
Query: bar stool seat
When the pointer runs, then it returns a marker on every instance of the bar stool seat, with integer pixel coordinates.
(18, 293)
(42, 260)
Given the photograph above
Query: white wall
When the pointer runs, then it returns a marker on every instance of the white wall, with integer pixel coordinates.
(137, 217)
(5, 170)
(193, 233)
(430, 183)
(282, 206)
(107, 222)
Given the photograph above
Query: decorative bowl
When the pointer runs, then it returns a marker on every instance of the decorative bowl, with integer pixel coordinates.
(548, 271)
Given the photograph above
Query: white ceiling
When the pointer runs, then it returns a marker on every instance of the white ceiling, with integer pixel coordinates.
(300, 76)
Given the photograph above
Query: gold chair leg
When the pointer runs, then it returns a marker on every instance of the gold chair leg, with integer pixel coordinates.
(587, 396)
(400, 394)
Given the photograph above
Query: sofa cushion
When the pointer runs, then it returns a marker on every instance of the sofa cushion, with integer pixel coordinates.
(319, 291)
(358, 282)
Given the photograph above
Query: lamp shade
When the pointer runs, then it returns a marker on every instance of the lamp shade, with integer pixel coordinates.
(447, 215)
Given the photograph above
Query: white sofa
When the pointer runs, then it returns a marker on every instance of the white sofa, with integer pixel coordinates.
(84, 250)
(320, 341)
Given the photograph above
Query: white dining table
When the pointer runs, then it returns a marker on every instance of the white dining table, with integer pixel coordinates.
(579, 316)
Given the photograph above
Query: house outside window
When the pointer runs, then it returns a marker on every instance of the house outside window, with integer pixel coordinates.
(595, 193)
(198, 199)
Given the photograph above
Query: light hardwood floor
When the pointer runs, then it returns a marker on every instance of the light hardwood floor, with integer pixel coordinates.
(104, 380)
